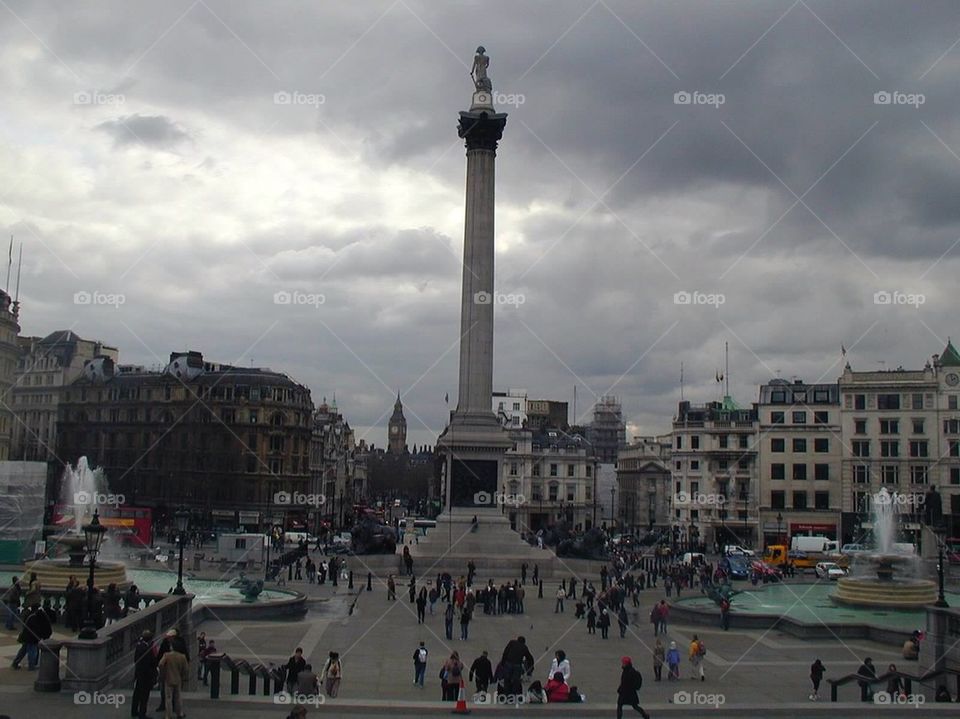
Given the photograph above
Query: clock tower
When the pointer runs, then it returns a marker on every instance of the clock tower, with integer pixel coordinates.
(397, 428)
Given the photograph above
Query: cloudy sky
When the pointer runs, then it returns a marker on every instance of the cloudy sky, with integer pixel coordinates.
(178, 164)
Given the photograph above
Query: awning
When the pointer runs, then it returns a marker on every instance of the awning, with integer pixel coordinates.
(225, 513)
(249, 517)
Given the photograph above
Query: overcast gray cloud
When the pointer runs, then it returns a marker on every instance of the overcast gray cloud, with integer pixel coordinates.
(201, 158)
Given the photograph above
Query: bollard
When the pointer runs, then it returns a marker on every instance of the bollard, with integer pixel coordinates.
(213, 663)
(369, 581)
(350, 580)
(540, 590)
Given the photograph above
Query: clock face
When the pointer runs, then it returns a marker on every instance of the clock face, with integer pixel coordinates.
(394, 429)
(952, 379)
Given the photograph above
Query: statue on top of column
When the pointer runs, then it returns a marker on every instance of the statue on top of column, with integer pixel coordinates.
(478, 72)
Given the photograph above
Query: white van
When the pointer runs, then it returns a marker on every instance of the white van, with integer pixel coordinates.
(694, 558)
(813, 544)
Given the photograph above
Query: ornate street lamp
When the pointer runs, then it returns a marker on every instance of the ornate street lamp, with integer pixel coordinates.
(93, 538)
(183, 522)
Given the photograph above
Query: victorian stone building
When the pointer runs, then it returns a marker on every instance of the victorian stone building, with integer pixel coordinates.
(338, 466)
(9, 354)
(645, 485)
(223, 441)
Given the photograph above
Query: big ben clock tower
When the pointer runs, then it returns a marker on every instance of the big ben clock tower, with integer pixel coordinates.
(397, 439)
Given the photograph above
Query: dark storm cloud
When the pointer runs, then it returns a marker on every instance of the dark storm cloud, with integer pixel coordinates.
(152, 131)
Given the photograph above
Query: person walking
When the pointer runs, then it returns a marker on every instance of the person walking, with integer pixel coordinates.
(655, 619)
(174, 671)
(422, 605)
(817, 670)
(659, 655)
(391, 589)
(295, 665)
(604, 622)
(867, 671)
(697, 652)
(465, 615)
(561, 595)
(450, 677)
(623, 621)
(663, 613)
(332, 675)
(725, 614)
(419, 665)
(592, 621)
(203, 664)
(628, 691)
(481, 672)
(673, 661)
(894, 685)
(36, 628)
(144, 674)
(433, 596)
(448, 620)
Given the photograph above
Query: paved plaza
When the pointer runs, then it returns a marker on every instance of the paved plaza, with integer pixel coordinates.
(746, 671)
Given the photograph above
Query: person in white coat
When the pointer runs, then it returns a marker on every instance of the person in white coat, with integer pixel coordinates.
(560, 664)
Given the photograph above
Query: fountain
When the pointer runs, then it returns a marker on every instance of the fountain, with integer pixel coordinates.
(886, 589)
(82, 489)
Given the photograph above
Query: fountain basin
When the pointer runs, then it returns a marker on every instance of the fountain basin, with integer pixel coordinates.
(884, 593)
(54, 573)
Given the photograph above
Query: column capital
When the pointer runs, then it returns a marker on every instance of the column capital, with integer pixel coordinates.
(481, 130)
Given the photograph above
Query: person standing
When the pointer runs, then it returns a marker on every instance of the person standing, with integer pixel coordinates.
(561, 595)
(201, 652)
(332, 675)
(725, 613)
(419, 665)
(663, 613)
(623, 621)
(434, 595)
(523, 573)
(448, 621)
(451, 675)
(659, 654)
(867, 671)
(174, 672)
(211, 648)
(817, 670)
(144, 674)
(673, 661)
(36, 628)
(422, 605)
(391, 589)
(464, 623)
(697, 652)
(592, 621)
(481, 671)
(604, 622)
(628, 691)
(295, 665)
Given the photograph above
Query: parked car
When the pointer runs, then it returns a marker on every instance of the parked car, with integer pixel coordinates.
(853, 549)
(767, 572)
(736, 566)
(829, 570)
(736, 549)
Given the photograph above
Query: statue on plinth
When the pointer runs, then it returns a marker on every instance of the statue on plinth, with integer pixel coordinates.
(478, 72)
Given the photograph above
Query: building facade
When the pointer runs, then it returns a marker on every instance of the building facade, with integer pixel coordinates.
(511, 408)
(338, 467)
(397, 429)
(9, 355)
(799, 450)
(644, 485)
(232, 444)
(607, 432)
(549, 477)
(715, 488)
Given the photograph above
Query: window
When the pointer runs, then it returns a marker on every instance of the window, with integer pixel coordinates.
(954, 448)
(589, 473)
(677, 465)
(821, 472)
(516, 406)
(888, 401)
(821, 500)
(821, 395)
(821, 444)
(918, 448)
(799, 417)
(889, 448)
(536, 469)
(952, 401)
(776, 418)
(253, 416)
(918, 474)
(554, 491)
(536, 491)
(513, 469)
(778, 396)
(723, 441)
(951, 426)
(918, 426)
(695, 442)
(890, 474)
(553, 470)
(777, 444)
(694, 464)
(240, 543)
(571, 492)
(570, 470)
(861, 447)
(955, 475)
(859, 401)
(744, 441)
(800, 397)
(889, 426)
(861, 475)
(799, 445)
(679, 442)
(799, 471)
(276, 443)
(799, 500)
(860, 426)
(777, 499)
(722, 465)
(821, 418)
(777, 471)
(918, 401)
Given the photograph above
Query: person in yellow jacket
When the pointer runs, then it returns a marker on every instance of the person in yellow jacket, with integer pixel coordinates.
(697, 652)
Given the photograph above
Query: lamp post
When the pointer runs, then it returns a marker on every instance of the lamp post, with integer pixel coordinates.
(941, 599)
(779, 525)
(613, 505)
(182, 517)
(93, 538)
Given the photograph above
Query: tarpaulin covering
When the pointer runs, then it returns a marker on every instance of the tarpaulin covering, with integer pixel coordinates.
(22, 493)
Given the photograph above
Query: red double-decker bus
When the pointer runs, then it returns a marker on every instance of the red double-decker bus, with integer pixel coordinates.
(131, 525)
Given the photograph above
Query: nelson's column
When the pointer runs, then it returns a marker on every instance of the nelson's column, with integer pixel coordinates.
(473, 443)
